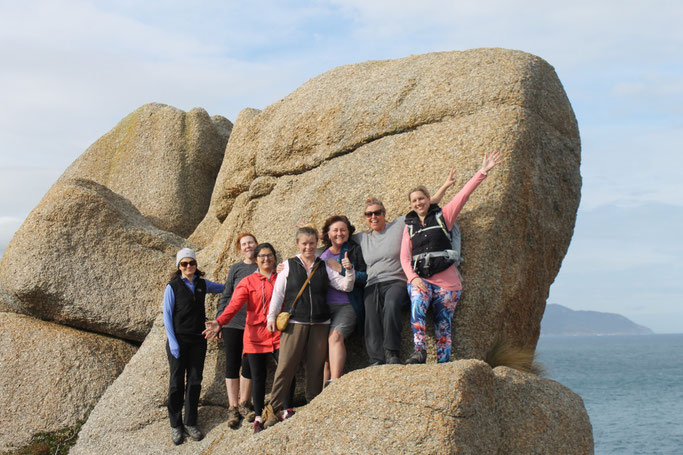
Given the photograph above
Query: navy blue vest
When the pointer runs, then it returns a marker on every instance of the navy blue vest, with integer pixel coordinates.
(188, 314)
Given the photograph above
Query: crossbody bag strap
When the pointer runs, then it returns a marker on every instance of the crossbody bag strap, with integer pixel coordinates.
(315, 267)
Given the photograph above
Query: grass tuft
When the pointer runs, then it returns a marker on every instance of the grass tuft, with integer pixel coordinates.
(50, 443)
(503, 353)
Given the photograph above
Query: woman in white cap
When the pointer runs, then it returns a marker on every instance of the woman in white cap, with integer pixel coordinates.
(184, 318)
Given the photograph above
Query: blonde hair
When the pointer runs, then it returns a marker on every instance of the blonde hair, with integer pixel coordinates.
(420, 188)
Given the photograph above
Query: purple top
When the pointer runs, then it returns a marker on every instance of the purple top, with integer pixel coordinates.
(334, 297)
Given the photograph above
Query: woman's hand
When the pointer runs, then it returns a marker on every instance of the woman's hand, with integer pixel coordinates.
(419, 283)
(449, 182)
(280, 267)
(490, 162)
(346, 262)
(450, 179)
(334, 265)
(270, 325)
(212, 329)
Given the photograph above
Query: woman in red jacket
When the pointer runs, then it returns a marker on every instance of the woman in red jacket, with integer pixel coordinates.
(255, 291)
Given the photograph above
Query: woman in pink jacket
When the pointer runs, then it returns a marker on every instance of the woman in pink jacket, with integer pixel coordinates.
(433, 279)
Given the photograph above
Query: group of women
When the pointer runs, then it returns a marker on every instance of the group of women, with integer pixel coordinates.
(361, 281)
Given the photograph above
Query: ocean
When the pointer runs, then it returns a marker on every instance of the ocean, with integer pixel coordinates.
(632, 387)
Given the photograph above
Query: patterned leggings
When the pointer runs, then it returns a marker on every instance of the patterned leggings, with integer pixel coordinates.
(444, 303)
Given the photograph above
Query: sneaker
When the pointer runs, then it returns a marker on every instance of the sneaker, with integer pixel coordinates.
(328, 382)
(194, 432)
(289, 412)
(177, 435)
(258, 426)
(269, 417)
(392, 357)
(419, 356)
(247, 411)
(234, 417)
(376, 363)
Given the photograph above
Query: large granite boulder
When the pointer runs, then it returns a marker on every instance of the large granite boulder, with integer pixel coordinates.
(87, 258)
(51, 375)
(163, 160)
(381, 127)
(131, 416)
(93, 256)
(458, 407)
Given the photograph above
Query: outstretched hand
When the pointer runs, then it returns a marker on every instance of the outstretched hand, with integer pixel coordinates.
(212, 329)
(490, 162)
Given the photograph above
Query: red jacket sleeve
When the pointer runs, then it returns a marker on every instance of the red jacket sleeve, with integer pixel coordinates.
(240, 296)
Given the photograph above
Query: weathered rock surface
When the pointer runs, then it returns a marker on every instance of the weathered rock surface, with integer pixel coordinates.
(459, 407)
(6, 301)
(379, 128)
(51, 375)
(539, 415)
(132, 417)
(86, 257)
(163, 160)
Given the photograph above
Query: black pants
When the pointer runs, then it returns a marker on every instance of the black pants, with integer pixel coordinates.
(190, 365)
(258, 364)
(232, 344)
(383, 305)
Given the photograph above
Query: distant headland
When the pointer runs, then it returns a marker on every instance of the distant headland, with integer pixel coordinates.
(559, 320)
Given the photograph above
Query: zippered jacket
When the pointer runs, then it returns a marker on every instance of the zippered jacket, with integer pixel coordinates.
(254, 291)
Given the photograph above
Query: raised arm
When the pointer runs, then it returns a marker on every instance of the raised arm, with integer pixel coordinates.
(452, 209)
(449, 182)
(490, 162)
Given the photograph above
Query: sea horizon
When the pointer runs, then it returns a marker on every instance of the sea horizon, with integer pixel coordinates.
(630, 385)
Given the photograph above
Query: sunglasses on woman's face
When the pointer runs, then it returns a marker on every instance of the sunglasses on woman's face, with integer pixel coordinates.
(375, 212)
(187, 264)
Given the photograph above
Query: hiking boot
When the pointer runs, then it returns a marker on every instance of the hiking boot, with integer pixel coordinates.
(392, 357)
(289, 412)
(376, 363)
(419, 356)
(258, 426)
(177, 435)
(234, 417)
(194, 432)
(247, 411)
(269, 417)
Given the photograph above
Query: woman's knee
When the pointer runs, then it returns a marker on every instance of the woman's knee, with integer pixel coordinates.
(335, 337)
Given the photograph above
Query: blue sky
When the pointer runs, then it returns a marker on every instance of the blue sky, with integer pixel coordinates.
(70, 70)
